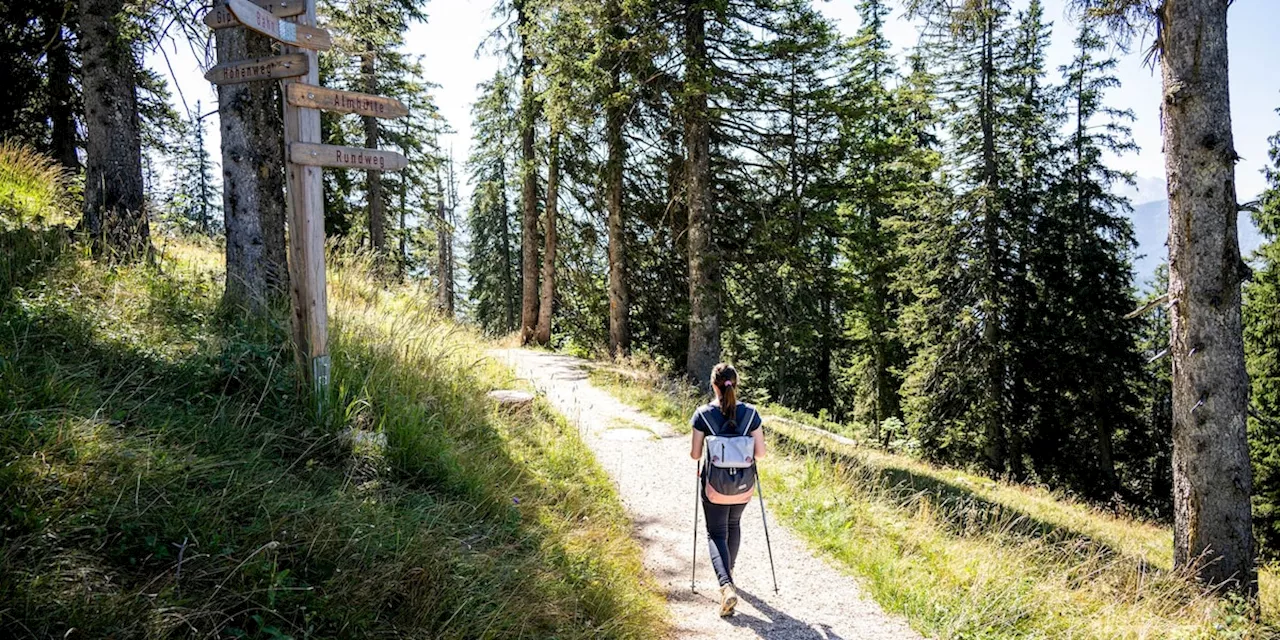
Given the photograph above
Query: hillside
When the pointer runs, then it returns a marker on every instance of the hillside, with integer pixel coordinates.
(161, 477)
(960, 555)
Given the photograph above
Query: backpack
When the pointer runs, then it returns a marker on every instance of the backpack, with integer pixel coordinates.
(729, 475)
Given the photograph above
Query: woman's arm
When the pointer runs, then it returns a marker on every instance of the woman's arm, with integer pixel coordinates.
(758, 435)
(696, 451)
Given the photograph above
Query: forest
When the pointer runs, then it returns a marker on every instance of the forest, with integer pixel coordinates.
(930, 249)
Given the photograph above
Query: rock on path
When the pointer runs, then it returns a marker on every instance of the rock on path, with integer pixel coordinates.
(655, 480)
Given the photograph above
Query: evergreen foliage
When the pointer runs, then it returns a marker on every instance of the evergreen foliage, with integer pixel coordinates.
(1262, 348)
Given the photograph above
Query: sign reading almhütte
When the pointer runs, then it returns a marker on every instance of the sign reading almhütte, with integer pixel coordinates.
(313, 97)
(261, 20)
(273, 68)
(327, 155)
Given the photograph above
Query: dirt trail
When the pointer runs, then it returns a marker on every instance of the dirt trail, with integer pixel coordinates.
(657, 483)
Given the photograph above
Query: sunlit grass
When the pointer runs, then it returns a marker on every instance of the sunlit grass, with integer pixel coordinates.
(962, 556)
(34, 189)
(162, 475)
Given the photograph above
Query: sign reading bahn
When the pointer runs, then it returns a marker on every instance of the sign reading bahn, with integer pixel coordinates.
(255, 18)
(313, 97)
(220, 16)
(328, 155)
(273, 68)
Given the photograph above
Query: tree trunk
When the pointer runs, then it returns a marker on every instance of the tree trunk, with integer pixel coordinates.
(528, 188)
(62, 108)
(253, 203)
(546, 304)
(619, 296)
(373, 179)
(508, 280)
(1211, 475)
(446, 246)
(994, 447)
(114, 214)
(704, 263)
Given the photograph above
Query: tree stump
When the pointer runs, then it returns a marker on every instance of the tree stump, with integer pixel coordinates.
(512, 400)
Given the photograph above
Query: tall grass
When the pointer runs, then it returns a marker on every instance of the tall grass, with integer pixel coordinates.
(34, 189)
(162, 476)
(962, 556)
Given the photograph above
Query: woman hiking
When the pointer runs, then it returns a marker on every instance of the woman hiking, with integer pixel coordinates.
(734, 440)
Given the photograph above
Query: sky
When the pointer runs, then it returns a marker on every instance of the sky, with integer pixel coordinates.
(448, 42)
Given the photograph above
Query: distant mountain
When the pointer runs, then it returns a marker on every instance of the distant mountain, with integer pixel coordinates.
(1151, 230)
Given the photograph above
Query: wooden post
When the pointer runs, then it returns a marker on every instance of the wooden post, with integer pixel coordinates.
(305, 211)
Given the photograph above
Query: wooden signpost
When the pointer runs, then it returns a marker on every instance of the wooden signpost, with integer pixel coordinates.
(327, 155)
(305, 95)
(273, 68)
(253, 17)
(298, 71)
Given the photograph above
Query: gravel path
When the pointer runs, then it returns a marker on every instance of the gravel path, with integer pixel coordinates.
(657, 488)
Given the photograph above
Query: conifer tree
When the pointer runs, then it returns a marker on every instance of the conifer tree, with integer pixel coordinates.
(493, 260)
(196, 196)
(1262, 347)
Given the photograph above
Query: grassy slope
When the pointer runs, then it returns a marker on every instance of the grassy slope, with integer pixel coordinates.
(962, 556)
(160, 476)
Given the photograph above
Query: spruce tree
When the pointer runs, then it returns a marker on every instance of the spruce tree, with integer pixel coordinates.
(493, 262)
(1262, 348)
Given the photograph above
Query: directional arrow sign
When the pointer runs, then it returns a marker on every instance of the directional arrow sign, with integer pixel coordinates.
(327, 155)
(261, 20)
(273, 68)
(220, 16)
(313, 97)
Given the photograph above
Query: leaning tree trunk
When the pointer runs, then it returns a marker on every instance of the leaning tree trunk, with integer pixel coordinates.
(528, 188)
(253, 203)
(373, 179)
(546, 304)
(62, 108)
(1211, 474)
(114, 215)
(704, 268)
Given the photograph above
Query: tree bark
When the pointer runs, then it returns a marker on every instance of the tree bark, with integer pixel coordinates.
(373, 179)
(994, 445)
(528, 187)
(114, 215)
(62, 108)
(546, 304)
(619, 296)
(253, 202)
(445, 245)
(1212, 479)
(704, 263)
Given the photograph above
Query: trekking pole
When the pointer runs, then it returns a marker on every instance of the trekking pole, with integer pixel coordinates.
(760, 490)
(697, 484)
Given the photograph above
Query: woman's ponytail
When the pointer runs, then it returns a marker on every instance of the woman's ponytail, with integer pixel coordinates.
(725, 379)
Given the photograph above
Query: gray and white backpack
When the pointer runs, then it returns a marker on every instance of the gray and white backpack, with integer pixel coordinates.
(729, 475)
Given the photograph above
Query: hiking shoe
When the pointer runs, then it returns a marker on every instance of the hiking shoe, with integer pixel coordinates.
(728, 600)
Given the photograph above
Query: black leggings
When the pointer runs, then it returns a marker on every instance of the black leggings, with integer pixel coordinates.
(723, 535)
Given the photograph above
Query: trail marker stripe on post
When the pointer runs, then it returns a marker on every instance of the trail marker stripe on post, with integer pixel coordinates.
(261, 20)
(272, 68)
(327, 155)
(305, 95)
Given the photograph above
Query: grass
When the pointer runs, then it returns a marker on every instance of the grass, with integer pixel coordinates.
(161, 474)
(962, 556)
(34, 189)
